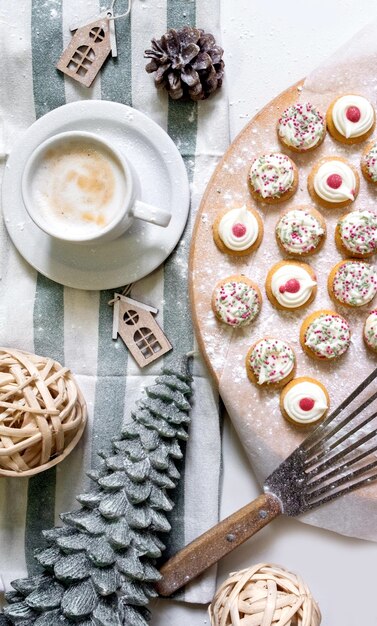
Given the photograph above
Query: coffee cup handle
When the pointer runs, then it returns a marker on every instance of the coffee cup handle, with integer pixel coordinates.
(150, 213)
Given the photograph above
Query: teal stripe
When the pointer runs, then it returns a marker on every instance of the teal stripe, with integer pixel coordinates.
(48, 86)
(47, 46)
(39, 515)
(112, 355)
(49, 319)
(181, 13)
(48, 341)
(182, 128)
(116, 77)
(111, 381)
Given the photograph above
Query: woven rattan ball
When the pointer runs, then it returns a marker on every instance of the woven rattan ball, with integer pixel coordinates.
(42, 413)
(264, 595)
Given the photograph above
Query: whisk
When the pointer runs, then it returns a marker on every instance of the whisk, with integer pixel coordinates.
(334, 459)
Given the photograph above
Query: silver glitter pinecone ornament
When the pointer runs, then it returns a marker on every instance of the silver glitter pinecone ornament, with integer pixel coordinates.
(188, 63)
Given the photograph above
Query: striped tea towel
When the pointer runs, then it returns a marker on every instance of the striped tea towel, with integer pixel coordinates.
(75, 326)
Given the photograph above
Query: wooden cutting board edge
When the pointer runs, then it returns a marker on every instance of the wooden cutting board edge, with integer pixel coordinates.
(283, 100)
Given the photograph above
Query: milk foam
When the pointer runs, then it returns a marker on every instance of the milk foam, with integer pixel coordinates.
(79, 187)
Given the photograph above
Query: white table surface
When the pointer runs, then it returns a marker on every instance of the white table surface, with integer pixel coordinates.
(269, 45)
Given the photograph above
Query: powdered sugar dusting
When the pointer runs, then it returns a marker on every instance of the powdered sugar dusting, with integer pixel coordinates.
(255, 412)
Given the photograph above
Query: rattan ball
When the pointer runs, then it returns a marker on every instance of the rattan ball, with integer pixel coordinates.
(42, 413)
(264, 595)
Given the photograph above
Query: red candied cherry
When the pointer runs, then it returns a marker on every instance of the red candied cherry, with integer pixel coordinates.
(238, 229)
(292, 286)
(353, 114)
(334, 181)
(306, 404)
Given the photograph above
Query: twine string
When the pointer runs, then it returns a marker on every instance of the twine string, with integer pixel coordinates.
(110, 11)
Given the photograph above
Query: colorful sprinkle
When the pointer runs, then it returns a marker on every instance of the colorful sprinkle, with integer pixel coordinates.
(236, 303)
(272, 175)
(358, 232)
(299, 231)
(328, 335)
(271, 360)
(370, 162)
(370, 330)
(301, 126)
(355, 283)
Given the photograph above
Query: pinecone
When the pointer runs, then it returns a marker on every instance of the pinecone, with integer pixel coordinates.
(188, 63)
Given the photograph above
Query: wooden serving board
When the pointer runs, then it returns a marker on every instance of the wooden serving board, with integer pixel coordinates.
(205, 258)
(265, 435)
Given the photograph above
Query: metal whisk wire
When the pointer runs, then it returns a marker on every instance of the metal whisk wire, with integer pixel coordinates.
(324, 431)
(332, 454)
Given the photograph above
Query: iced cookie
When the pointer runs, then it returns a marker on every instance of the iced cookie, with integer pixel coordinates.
(369, 163)
(238, 231)
(325, 335)
(356, 234)
(304, 401)
(236, 300)
(353, 282)
(333, 183)
(350, 119)
(370, 331)
(301, 127)
(300, 231)
(270, 361)
(291, 285)
(273, 178)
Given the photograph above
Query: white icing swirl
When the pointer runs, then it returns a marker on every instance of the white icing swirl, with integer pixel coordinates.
(271, 360)
(370, 330)
(358, 232)
(301, 126)
(370, 162)
(299, 231)
(236, 302)
(297, 393)
(272, 175)
(346, 127)
(355, 283)
(328, 335)
(280, 289)
(346, 191)
(238, 216)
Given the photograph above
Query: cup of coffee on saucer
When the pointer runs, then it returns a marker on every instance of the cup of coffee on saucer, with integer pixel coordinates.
(78, 188)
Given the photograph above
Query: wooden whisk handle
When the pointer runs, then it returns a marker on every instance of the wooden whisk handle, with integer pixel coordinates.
(210, 547)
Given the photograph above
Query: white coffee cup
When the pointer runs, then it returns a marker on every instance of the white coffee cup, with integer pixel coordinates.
(77, 187)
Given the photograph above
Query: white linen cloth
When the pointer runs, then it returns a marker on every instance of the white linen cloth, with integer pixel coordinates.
(75, 326)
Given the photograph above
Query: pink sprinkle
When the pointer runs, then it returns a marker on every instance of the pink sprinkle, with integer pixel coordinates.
(353, 114)
(334, 181)
(292, 286)
(238, 229)
(306, 404)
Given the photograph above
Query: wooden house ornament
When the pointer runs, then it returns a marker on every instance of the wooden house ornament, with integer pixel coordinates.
(135, 323)
(88, 49)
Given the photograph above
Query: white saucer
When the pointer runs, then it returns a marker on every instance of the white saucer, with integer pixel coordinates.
(144, 246)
